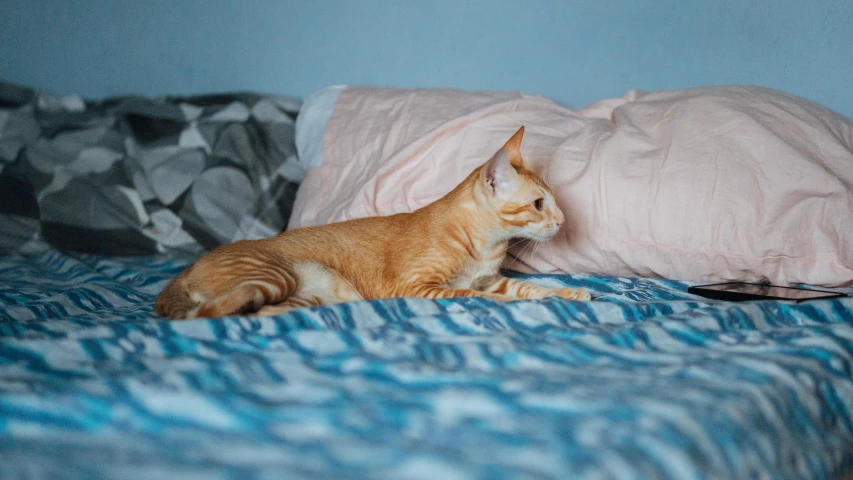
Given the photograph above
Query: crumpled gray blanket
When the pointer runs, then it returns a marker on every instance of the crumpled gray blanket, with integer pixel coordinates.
(136, 176)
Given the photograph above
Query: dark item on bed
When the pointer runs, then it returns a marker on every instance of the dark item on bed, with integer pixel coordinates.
(745, 292)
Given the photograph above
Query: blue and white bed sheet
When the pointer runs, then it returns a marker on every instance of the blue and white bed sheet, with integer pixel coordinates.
(646, 382)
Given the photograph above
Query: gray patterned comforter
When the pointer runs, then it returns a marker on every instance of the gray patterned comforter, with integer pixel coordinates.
(133, 175)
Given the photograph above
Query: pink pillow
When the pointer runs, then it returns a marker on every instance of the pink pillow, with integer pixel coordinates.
(705, 185)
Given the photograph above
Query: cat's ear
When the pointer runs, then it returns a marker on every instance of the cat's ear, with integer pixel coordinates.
(513, 148)
(499, 176)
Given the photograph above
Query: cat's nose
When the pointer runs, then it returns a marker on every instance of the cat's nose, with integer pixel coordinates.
(559, 219)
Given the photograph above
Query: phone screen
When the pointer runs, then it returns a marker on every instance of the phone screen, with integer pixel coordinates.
(769, 291)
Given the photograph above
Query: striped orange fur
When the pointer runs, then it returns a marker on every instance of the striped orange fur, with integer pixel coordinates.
(449, 248)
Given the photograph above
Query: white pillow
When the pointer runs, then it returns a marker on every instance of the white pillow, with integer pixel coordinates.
(706, 184)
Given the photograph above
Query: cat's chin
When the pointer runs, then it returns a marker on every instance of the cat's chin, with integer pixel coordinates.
(542, 237)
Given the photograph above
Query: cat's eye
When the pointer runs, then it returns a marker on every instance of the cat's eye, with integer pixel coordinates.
(537, 204)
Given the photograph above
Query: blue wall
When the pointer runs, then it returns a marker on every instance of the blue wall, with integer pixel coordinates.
(574, 51)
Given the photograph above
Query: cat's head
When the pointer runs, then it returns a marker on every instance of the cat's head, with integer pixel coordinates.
(524, 204)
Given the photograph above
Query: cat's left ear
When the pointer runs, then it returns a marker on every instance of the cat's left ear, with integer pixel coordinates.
(513, 148)
(499, 176)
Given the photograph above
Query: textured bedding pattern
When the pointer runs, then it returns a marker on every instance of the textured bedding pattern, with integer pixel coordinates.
(135, 175)
(645, 382)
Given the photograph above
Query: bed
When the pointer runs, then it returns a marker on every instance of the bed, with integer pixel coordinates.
(646, 381)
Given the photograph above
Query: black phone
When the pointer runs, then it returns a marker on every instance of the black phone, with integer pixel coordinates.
(744, 292)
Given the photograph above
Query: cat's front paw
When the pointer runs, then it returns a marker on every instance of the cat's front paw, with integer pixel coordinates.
(573, 294)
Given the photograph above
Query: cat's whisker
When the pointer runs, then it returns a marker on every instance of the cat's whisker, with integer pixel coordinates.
(520, 241)
(538, 246)
(517, 243)
(516, 257)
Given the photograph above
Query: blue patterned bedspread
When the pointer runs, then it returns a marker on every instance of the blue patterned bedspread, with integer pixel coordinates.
(645, 382)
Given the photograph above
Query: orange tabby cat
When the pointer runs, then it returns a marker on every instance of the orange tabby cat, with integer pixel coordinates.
(451, 248)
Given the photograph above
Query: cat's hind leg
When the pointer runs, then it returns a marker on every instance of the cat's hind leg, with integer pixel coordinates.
(318, 285)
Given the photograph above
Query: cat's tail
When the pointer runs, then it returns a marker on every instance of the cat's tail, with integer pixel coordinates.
(237, 292)
(246, 298)
(174, 301)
